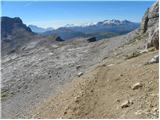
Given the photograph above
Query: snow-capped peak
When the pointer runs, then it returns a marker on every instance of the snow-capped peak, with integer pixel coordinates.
(113, 21)
(88, 24)
(81, 25)
(105, 22)
(69, 25)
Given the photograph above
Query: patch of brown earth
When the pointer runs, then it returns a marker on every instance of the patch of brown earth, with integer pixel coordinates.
(108, 92)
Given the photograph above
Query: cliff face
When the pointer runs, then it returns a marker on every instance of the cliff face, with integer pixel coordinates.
(11, 25)
(14, 34)
(150, 24)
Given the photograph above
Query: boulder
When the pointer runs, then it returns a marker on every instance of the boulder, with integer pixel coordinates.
(80, 74)
(92, 39)
(155, 59)
(136, 86)
(59, 39)
(126, 104)
(78, 67)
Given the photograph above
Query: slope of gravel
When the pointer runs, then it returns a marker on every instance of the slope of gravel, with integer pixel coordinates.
(31, 76)
(115, 88)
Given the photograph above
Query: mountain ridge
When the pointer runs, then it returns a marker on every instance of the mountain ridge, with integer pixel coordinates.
(115, 27)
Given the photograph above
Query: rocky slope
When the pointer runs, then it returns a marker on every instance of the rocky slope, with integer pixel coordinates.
(35, 74)
(114, 89)
(14, 34)
(111, 78)
(122, 86)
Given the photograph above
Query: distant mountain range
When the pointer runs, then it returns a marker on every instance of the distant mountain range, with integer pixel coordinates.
(16, 34)
(37, 29)
(115, 26)
(100, 30)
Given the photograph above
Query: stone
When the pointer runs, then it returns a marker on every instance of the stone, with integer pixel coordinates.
(110, 65)
(155, 59)
(50, 53)
(92, 39)
(144, 51)
(58, 38)
(117, 100)
(65, 112)
(120, 75)
(155, 109)
(126, 104)
(136, 86)
(139, 112)
(105, 58)
(80, 74)
(77, 99)
(78, 67)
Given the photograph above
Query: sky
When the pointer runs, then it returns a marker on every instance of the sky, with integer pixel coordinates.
(59, 13)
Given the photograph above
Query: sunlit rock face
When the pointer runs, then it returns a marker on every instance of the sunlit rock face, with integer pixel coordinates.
(150, 24)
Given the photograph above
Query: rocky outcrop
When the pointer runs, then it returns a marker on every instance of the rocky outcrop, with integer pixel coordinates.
(153, 38)
(150, 24)
(14, 34)
(11, 25)
(59, 39)
(155, 59)
(91, 39)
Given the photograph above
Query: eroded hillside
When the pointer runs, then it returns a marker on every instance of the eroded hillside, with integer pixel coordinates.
(111, 78)
(116, 88)
(125, 85)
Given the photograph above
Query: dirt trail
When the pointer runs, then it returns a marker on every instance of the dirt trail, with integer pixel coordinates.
(101, 92)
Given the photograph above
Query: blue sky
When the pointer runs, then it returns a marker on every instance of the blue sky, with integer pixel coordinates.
(56, 14)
